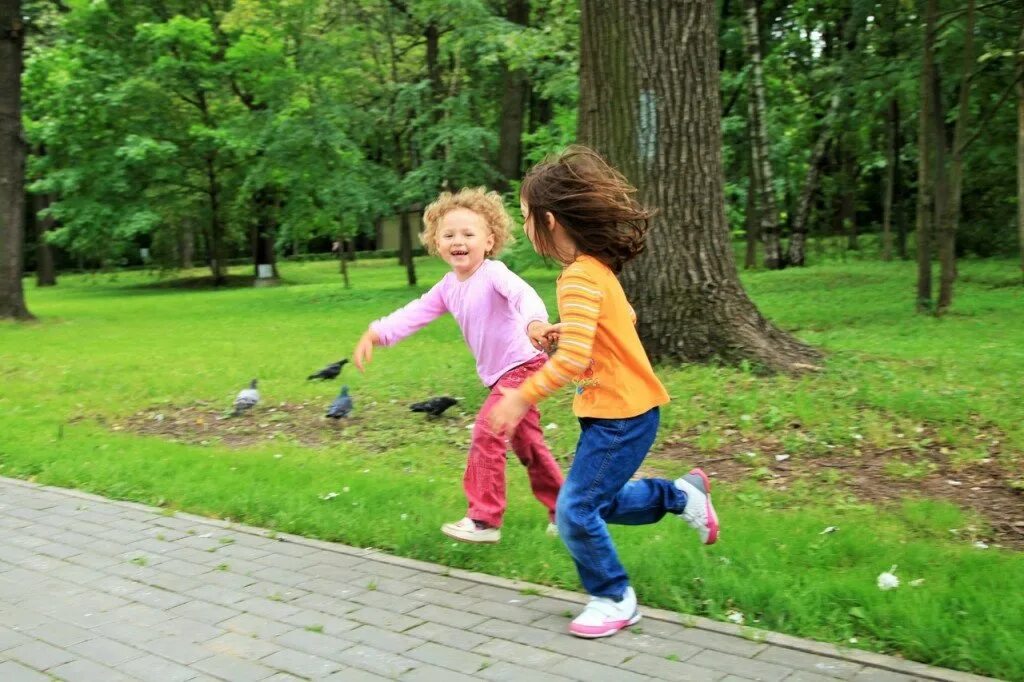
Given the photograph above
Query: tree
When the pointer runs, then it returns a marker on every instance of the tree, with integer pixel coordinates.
(761, 176)
(515, 92)
(929, 146)
(664, 133)
(12, 163)
(1020, 149)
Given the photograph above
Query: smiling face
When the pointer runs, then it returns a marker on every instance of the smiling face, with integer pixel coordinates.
(464, 240)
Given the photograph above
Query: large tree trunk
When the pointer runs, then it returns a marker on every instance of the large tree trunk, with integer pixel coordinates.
(665, 135)
(12, 163)
(46, 271)
(928, 144)
(1020, 149)
(515, 92)
(186, 244)
(767, 212)
(405, 241)
(951, 207)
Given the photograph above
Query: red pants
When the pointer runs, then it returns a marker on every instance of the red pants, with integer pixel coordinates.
(484, 481)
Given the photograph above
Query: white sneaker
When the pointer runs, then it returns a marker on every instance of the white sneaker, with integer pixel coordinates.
(465, 530)
(604, 616)
(699, 513)
(552, 530)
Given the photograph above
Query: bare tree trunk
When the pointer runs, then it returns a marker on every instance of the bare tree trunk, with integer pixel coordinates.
(515, 92)
(797, 255)
(926, 166)
(768, 214)
(750, 221)
(1020, 149)
(406, 248)
(186, 244)
(343, 260)
(848, 204)
(12, 163)
(46, 271)
(892, 117)
(951, 207)
(665, 135)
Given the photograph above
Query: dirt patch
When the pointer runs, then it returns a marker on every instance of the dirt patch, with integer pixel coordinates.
(991, 486)
(372, 428)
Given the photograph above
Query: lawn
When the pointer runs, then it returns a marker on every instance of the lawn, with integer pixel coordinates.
(121, 389)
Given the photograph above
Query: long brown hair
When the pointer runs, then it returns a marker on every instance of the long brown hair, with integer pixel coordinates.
(592, 201)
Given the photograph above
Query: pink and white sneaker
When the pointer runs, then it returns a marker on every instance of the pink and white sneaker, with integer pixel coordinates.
(604, 616)
(699, 513)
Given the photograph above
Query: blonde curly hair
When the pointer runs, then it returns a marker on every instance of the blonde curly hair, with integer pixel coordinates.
(486, 204)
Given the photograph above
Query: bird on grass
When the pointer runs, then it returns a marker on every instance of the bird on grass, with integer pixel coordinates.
(246, 399)
(435, 407)
(331, 371)
(342, 405)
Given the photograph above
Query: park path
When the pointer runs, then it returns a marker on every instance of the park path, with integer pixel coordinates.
(98, 590)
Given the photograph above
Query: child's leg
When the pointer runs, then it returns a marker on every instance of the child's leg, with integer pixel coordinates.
(596, 491)
(484, 480)
(545, 474)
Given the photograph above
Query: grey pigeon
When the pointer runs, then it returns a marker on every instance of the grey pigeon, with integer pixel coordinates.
(435, 407)
(331, 371)
(246, 399)
(342, 405)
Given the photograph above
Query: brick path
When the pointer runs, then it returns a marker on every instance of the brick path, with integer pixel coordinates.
(92, 589)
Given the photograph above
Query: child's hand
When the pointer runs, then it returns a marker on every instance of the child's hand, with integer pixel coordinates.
(542, 335)
(364, 349)
(510, 410)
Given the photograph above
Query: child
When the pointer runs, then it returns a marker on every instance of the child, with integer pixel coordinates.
(580, 211)
(501, 318)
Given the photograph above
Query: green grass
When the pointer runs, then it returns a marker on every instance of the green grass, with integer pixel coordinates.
(108, 346)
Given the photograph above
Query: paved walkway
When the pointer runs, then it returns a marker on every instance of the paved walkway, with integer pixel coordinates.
(92, 589)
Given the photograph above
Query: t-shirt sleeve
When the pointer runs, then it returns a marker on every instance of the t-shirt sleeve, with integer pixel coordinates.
(579, 304)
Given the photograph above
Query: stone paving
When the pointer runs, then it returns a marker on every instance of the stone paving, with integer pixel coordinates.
(96, 590)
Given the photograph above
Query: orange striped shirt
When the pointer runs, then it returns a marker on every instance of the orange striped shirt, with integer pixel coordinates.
(599, 350)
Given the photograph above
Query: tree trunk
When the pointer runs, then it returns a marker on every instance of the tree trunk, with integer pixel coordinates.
(186, 244)
(406, 248)
(797, 255)
(926, 167)
(216, 252)
(750, 221)
(892, 118)
(665, 135)
(768, 214)
(263, 239)
(12, 163)
(46, 271)
(343, 260)
(951, 206)
(848, 204)
(515, 92)
(1020, 150)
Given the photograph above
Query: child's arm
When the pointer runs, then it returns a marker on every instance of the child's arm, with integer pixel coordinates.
(389, 330)
(525, 300)
(579, 302)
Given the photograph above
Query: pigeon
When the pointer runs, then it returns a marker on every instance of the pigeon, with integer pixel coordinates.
(331, 371)
(342, 405)
(246, 399)
(435, 407)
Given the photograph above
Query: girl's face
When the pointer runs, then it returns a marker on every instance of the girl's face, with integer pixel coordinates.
(464, 240)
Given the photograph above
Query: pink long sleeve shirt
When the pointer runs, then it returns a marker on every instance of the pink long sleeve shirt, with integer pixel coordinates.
(493, 308)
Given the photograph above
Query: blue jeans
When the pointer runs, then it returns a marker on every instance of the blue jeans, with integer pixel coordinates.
(598, 491)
